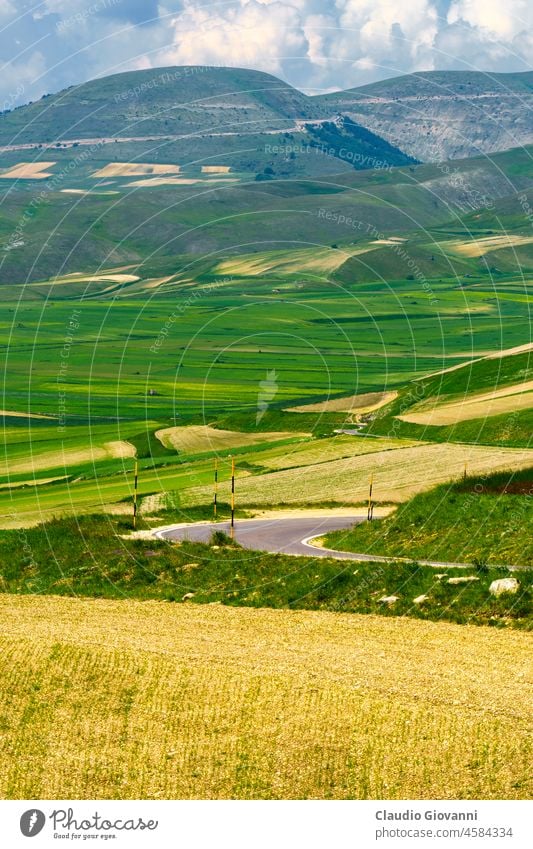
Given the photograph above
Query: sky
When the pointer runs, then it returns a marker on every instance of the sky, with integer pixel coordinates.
(315, 45)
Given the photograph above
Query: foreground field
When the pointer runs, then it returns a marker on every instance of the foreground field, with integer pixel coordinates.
(120, 699)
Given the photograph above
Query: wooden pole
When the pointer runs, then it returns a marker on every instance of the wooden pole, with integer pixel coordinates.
(216, 489)
(370, 510)
(464, 472)
(135, 490)
(232, 530)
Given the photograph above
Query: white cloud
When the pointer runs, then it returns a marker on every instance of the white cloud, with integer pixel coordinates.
(313, 44)
(6, 8)
(250, 34)
(495, 19)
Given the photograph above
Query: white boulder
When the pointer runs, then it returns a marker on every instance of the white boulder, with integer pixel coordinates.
(464, 579)
(504, 585)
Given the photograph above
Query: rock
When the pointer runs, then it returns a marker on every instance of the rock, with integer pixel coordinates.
(504, 585)
(464, 579)
(188, 566)
(440, 575)
(388, 599)
(420, 599)
(187, 596)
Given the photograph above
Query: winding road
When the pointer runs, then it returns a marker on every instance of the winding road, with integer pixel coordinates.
(292, 535)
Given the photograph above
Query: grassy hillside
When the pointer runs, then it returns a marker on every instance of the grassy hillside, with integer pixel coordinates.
(351, 706)
(415, 112)
(159, 101)
(310, 194)
(486, 378)
(428, 83)
(92, 556)
(482, 520)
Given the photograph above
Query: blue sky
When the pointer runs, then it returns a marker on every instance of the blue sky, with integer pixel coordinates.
(316, 45)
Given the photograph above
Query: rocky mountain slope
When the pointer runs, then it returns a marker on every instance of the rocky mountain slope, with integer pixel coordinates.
(443, 114)
(428, 116)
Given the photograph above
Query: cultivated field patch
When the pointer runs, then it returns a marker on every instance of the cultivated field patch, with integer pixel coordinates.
(364, 403)
(198, 438)
(164, 181)
(478, 247)
(398, 475)
(123, 699)
(65, 457)
(135, 169)
(318, 451)
(215, 169)
(317, 260)
(506, 400)
(18, 415)
(89, 192)
(28, 171)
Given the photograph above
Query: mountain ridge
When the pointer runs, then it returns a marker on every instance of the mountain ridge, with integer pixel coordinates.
(429, 116)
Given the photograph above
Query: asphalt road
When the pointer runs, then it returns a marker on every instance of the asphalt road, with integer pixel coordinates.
(282, 536)
(292, 536)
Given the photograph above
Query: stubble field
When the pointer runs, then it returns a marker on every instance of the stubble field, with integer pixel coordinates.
(121, 699)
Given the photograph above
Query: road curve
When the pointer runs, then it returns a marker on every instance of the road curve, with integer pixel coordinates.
(293, 536)
(279, 536)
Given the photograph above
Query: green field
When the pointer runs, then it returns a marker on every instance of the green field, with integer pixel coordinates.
(193, 324)
(125, 314)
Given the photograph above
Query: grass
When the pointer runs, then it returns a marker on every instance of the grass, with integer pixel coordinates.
(339, 707)
(485, 519)
(508, 400)
(488, 374)
(89, 556)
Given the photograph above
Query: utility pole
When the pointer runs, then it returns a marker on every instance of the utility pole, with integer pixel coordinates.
(135, 490)
(215, 490)
(370, 511)
(232, 528)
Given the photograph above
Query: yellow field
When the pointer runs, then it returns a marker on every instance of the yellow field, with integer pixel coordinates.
(30, 482)
(164, 181)
(478, 247)
(509, 399)
(398, 475)
(365, 403)
(318, 451)
(77, 277)
(18, 415)
(89, 192)
(318, 260)
(215, 169)
(135, 169)
(121, 699)
(196, 438)
(65, 457)
(28, 171)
